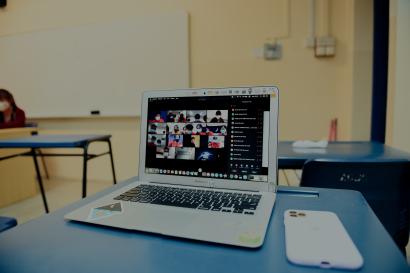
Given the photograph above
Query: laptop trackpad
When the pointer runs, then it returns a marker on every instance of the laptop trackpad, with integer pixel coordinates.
(163, 219)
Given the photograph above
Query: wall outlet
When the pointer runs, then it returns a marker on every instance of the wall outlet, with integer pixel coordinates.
(325, 46)
(330, 50)
(272, 51)
(326, 41)
(320, 51)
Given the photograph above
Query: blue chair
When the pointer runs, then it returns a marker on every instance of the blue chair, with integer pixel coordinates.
(6, 223)
(384, 184)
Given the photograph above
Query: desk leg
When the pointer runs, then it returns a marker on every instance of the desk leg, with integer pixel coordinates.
(85, 163)
(39, 179)
(43, 162)
(112, 162)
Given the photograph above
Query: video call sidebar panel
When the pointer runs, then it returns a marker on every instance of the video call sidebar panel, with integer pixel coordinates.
(246, 147)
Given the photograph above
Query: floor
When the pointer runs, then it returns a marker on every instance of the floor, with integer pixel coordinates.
(61, 192)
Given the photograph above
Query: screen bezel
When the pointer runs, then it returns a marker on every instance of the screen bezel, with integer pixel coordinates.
(272, 182)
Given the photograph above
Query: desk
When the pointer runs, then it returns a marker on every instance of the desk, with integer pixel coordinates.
(36, 142)
(294, 158)
(51, 244)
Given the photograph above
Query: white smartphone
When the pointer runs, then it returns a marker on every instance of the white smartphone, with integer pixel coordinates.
(318, 238)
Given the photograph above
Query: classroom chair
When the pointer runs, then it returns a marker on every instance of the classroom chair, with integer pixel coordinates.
(6, 223)
(384, 184)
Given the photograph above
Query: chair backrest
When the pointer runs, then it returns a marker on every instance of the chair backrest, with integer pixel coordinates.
(384, 184)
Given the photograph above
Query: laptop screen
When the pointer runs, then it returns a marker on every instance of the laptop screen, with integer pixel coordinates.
(222, 137)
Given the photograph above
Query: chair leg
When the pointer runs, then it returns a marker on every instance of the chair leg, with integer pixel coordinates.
(112, 162)
(39, 179)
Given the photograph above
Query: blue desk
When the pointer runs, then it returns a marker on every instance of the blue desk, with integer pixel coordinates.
(294, 158)
(36, 142)
(51, 244)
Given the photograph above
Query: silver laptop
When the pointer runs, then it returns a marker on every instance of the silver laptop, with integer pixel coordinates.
(208, 167)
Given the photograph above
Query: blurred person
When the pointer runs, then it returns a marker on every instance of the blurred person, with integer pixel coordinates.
(11, 116)
(218, 117)
(157, 118)
(188, 129)
(181, 118)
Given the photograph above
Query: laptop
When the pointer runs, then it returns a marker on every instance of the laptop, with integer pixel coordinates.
(207, 170)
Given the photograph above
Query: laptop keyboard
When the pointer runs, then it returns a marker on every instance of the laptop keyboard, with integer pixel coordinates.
(228, 202)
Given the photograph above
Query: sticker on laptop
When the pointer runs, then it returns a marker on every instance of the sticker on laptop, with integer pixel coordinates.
(250, 238)
(105, 211)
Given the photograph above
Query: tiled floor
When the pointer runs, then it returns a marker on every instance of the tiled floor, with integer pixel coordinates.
(61, 192)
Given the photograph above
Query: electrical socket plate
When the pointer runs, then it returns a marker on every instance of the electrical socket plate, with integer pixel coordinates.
(272, 51)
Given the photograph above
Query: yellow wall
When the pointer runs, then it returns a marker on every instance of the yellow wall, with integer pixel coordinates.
(392, 72)
(223, 38)
(398, 129)
(362, 69)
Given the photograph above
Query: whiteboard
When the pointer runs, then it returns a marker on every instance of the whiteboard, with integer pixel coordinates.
(103, 67)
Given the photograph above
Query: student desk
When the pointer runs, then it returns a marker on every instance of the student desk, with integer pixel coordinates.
(36, 142)
(52, 244)
(294, 158)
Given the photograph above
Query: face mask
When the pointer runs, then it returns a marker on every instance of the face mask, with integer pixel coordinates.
(4, 105)
(157, 118)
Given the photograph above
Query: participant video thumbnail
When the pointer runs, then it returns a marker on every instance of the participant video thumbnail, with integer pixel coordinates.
(159, 116)
(176, 116)
(175, 128)
(188, 129)
(165, 152)
(197, 116)
(157, 140)
(175, 140)
(157, 128)
(185, 153)
(191, 141)
(217, 129)
(200, 129)
(207, 154)
(216, 142)
(217, 116)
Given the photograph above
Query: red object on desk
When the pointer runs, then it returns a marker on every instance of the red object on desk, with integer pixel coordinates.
(333, 130)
